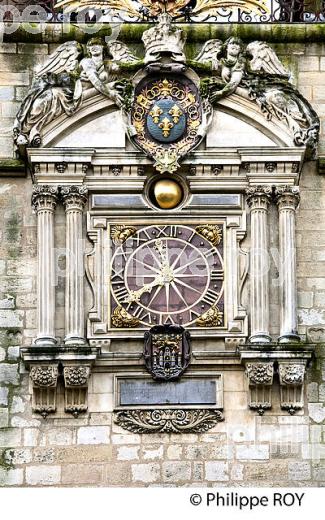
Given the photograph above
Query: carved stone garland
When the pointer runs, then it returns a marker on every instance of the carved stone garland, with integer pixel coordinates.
(291, 377)
(76, 389)
(260, 379)
(44, 378)
(168, 421)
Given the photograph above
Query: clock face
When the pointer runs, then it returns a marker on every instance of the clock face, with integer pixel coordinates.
(167, 274)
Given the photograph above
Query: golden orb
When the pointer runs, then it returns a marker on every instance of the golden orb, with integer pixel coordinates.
(168, 193)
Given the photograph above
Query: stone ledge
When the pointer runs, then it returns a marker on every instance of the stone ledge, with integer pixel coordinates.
(12, 168)
(196, 33)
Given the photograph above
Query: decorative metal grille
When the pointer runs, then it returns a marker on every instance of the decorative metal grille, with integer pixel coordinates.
(191, 11)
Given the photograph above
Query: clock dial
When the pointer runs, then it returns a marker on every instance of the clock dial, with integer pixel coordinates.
(167, 274)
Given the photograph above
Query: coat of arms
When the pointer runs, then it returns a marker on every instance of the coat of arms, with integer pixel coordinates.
(166, 116)
(167, 351)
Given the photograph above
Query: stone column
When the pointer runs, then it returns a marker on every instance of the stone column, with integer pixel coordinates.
(44, 201)
(74, 199)
(287, 200)
(258, 199)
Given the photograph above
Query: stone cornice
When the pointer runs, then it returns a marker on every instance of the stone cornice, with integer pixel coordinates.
(196, 33)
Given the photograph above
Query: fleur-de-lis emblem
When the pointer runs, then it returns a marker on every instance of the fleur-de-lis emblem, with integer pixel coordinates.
(176, 113)
(166, 126)
(156, 113)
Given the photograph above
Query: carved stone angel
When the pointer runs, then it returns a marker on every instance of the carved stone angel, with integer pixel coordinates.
(56, 89)
(233, 64)
(100, 73)
(60, 85)
(258, 69)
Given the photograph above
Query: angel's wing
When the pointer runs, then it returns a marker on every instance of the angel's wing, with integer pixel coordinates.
(210, 52)
(64, 59)
(264, 59)
(120, 52)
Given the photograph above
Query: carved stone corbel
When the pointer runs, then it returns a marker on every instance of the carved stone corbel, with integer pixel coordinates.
(44, 378)
(260, 379)
(291, 375)
(76, 389)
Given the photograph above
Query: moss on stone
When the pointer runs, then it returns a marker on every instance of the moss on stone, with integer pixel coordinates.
(200, 32)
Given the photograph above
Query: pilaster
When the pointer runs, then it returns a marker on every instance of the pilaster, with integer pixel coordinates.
(287, 198)
(44, 201)
(74, 199)
(258, 200)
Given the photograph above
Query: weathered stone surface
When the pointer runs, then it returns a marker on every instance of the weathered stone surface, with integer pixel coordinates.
(152, 452)
(18, 456)
(4, 417)
(18, 405)
(13, 353)
(317, 412)
(128, 452)
(146, 473)
(11, 319)
(82, 474)
(9, 374)
(3, 396)
(10, 437)
(176, 471)
(2, 354)
(93, 435)
(11, 477)
(253, 452)
(299, 471)
(43, 475)
(216, 471)
(44, 455)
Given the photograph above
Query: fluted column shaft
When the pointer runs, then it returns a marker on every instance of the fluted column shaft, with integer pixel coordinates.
(44, 201)
(74, 199)
(287, 200)
(258, 199)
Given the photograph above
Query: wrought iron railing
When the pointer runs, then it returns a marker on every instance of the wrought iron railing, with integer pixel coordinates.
(195, 11)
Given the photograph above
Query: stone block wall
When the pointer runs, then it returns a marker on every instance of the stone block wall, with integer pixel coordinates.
(245, 449)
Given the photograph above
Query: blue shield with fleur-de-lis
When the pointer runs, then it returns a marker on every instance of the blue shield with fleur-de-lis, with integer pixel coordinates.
(166, 121)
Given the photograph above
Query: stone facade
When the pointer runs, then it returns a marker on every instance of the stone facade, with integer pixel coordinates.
(275, 449)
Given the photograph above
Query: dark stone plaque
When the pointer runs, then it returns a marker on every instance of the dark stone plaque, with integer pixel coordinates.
(150, 393)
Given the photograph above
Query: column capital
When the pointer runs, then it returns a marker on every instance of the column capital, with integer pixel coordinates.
(287, 197)
(44, 197)
(74, 197)
(258, 197)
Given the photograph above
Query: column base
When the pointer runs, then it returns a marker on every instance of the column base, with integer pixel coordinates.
(75, 340)
(260, 338)
(289, 338)
(45, 340)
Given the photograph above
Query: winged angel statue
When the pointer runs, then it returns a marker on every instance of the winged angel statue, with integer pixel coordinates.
(258, 70)
(69, 76)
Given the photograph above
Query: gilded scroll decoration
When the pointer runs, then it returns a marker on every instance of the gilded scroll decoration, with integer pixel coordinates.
(121, 318)
(213, 317)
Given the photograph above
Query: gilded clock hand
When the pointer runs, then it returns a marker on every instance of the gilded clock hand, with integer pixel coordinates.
(134, 296)
(165, 275)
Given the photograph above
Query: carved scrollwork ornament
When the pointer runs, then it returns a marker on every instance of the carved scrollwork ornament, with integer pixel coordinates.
(287, 197)
(74, 197)
(258, 197)
(44, 197)
(168, 421)
(260, 379)
(291, 377)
